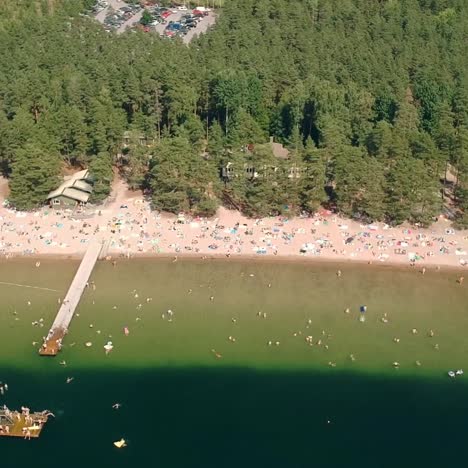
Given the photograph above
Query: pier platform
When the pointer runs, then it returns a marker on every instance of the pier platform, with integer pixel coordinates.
(16, 424)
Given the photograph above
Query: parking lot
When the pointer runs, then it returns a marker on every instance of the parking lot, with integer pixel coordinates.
(201, 28)
(118, 16)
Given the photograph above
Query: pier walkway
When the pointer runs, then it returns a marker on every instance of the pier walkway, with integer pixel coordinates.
(59, 329)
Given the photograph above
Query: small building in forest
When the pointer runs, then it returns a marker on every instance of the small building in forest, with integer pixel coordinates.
(248, 170)
(140, 138)
(74, 191)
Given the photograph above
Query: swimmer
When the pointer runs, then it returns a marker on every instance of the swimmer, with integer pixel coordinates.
(461, 279)
(116, 405)
(414, 331)
(218, 355)
(396, 340)
(431, 333)
(70, 379)
(338, 273)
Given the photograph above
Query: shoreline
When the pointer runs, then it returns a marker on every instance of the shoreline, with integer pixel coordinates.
(245, 258)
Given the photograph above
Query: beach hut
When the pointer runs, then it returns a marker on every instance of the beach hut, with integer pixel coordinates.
(75, 190)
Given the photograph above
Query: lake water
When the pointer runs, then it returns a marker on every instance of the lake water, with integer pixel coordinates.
(337, 402)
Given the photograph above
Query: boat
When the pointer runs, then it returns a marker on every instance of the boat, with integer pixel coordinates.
(451, 374)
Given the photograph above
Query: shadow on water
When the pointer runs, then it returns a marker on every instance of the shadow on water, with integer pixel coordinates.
(232, 417)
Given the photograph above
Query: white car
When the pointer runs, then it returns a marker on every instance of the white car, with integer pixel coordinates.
(182, 8)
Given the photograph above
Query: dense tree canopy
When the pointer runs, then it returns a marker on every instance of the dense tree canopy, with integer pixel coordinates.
(371, 98)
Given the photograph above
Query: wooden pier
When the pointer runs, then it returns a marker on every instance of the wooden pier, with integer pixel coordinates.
(59, 329)
(16, 424)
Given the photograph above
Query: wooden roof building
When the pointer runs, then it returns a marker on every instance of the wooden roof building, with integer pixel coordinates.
(75, 190)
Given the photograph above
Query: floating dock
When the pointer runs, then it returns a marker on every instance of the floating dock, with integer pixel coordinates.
(59, 329)
(16, 424)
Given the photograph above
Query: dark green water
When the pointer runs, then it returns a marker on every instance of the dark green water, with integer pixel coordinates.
(259, 405)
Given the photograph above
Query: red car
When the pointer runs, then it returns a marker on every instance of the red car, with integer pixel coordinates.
(165, 14)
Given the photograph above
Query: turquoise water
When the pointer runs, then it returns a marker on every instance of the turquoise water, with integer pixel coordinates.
(258, 405)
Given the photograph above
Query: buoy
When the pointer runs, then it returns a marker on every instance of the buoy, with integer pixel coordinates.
(120, 443)
(451, 374)
(88, 344)
(108, 347)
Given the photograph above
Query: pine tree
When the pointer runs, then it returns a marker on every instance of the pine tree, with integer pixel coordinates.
(313, 177)
(101, 174)
(34, 174)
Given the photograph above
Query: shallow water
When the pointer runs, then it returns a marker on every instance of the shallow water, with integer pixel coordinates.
(259, 405)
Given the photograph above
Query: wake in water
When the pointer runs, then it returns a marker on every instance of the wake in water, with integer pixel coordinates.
(28, 286)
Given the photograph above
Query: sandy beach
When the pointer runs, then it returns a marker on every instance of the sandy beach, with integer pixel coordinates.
(134, 229)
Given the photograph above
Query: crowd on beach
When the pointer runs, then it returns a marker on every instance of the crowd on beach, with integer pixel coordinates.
(132, 228)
